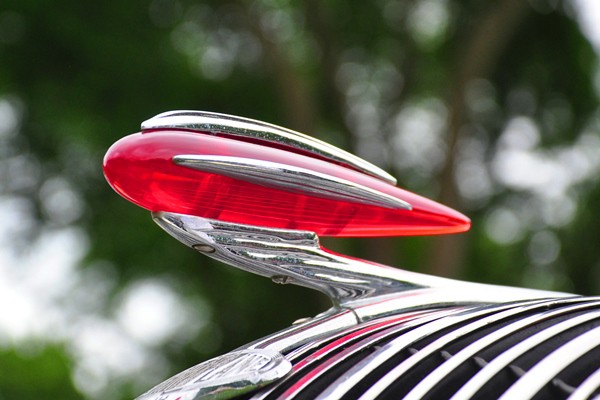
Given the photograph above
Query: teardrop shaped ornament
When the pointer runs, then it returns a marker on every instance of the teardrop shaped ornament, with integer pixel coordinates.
(237, 181)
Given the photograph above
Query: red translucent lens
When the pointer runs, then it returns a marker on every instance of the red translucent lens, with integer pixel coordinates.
(140, 168)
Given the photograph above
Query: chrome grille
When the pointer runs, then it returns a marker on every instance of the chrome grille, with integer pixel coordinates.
(323, 354)
(539, 349)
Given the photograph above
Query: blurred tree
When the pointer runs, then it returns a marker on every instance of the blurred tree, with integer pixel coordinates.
(490, 108)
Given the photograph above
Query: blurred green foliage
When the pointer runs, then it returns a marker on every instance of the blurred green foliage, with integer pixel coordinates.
(36, 374)
(491, 108)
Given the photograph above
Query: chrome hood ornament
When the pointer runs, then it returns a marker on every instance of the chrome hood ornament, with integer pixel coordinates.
(228, 169)
(257, 197)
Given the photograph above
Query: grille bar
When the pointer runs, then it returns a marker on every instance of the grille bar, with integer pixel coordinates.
(507, 357)
(545, 370)
(305, 356)
(465, 354)
(334, 361)
(361, 370)
(438, 345)
(307, 352)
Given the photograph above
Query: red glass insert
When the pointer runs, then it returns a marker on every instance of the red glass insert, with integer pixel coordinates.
(140, 168)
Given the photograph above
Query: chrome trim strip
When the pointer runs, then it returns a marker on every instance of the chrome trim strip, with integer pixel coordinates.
(293, 256)
(504, 359)
(438, 296)
(215, 123)
(353, 376)
(291, 178)
(334, 320)
(433, 378)
(587, 387)
(551, 365)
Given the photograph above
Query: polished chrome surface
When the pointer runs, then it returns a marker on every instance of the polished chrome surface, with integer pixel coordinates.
(223, 377)
(291, 178)
(350, 349)
(293, 256)
(290, 254)
(551, 365)
(215, 123)
(315, 363)
(493, 367)
(324, 325)
(305, 356)
(466, 353)
(406, 319)
(451, 295)
(479, 317)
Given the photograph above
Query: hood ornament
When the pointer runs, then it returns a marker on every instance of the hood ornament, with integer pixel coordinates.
(257, 196)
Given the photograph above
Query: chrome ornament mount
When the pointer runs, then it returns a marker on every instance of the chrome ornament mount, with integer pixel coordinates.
(296, 257)
(284, 256)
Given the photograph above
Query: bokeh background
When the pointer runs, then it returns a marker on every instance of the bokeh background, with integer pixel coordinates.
(489, 107)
